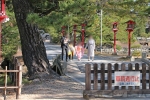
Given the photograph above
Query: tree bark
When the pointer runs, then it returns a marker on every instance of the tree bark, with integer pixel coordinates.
(33, 49)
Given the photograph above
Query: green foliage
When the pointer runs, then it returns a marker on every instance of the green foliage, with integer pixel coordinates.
(135, 46)
(118, 47)
(80, 11)
(2, 80)
(136, 53)
(10, 36)
(108, 43)
(26, 81)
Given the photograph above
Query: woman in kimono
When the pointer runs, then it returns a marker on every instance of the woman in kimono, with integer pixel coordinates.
(79, 51)
(91, 47)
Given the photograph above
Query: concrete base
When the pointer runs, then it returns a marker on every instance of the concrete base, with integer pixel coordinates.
(114, 53)
(132, 59)
(144, 55)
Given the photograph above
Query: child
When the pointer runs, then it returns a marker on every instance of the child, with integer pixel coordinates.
(71, 51)
(79, 51)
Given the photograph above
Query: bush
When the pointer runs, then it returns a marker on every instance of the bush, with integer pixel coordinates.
(118, 47)
(135, 46)
(136, 53)
(108, 44)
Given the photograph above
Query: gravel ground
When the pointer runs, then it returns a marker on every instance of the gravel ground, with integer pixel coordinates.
(50, 88)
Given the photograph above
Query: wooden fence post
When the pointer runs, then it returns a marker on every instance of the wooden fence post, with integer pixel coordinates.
(95, 77)
(123, 68)
(143, 76)
(5, 83)
(109, 75)
(87, 77)
(130, 69)
(137, 69)
(116, 69)
(15, 76)
(19, 82)
(103, 76)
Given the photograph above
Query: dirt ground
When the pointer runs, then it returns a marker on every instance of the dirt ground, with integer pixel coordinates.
(49, 87)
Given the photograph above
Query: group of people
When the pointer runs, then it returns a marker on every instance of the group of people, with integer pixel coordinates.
(68, 50)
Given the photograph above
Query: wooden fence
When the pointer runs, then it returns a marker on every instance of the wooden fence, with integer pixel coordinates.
(17, 79)
(101, 82)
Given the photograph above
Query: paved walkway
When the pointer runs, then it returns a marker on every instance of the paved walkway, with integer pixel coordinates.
(76, 69)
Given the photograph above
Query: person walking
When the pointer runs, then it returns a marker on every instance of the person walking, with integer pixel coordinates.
(91, 47)
(64, 46)
(71, 51)
(79, 51)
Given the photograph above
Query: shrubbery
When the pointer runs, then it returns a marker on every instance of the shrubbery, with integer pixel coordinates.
(136, 53)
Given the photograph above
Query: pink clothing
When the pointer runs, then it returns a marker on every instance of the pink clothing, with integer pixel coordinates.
(79, 51)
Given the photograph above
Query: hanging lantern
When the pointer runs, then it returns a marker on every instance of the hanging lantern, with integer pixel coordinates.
(83, 25)
(115, 29)
(130, 25)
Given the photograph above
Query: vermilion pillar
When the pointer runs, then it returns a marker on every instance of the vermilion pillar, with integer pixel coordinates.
(115, 32)
(114, 42)
(129, 43)
(74, 30)
(130, 27)
(83, 33)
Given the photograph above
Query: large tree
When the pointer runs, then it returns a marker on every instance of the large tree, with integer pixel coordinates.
(33, 50)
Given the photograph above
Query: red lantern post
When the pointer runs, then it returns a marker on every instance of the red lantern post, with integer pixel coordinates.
(74, 30)
(130, 27)
(83, 31)
(63, 30)
(115, 31)
(2, 18)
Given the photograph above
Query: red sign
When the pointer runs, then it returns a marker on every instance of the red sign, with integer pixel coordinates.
(127, 78)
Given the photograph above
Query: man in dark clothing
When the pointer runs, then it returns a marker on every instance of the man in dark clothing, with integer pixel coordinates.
(64, 46)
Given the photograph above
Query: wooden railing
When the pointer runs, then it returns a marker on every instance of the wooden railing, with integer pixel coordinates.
(99, 80)
(17, 79)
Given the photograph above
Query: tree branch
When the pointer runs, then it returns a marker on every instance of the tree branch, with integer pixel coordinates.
(41, 12)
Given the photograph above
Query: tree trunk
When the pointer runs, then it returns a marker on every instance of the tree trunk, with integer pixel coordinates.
(33, 49)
